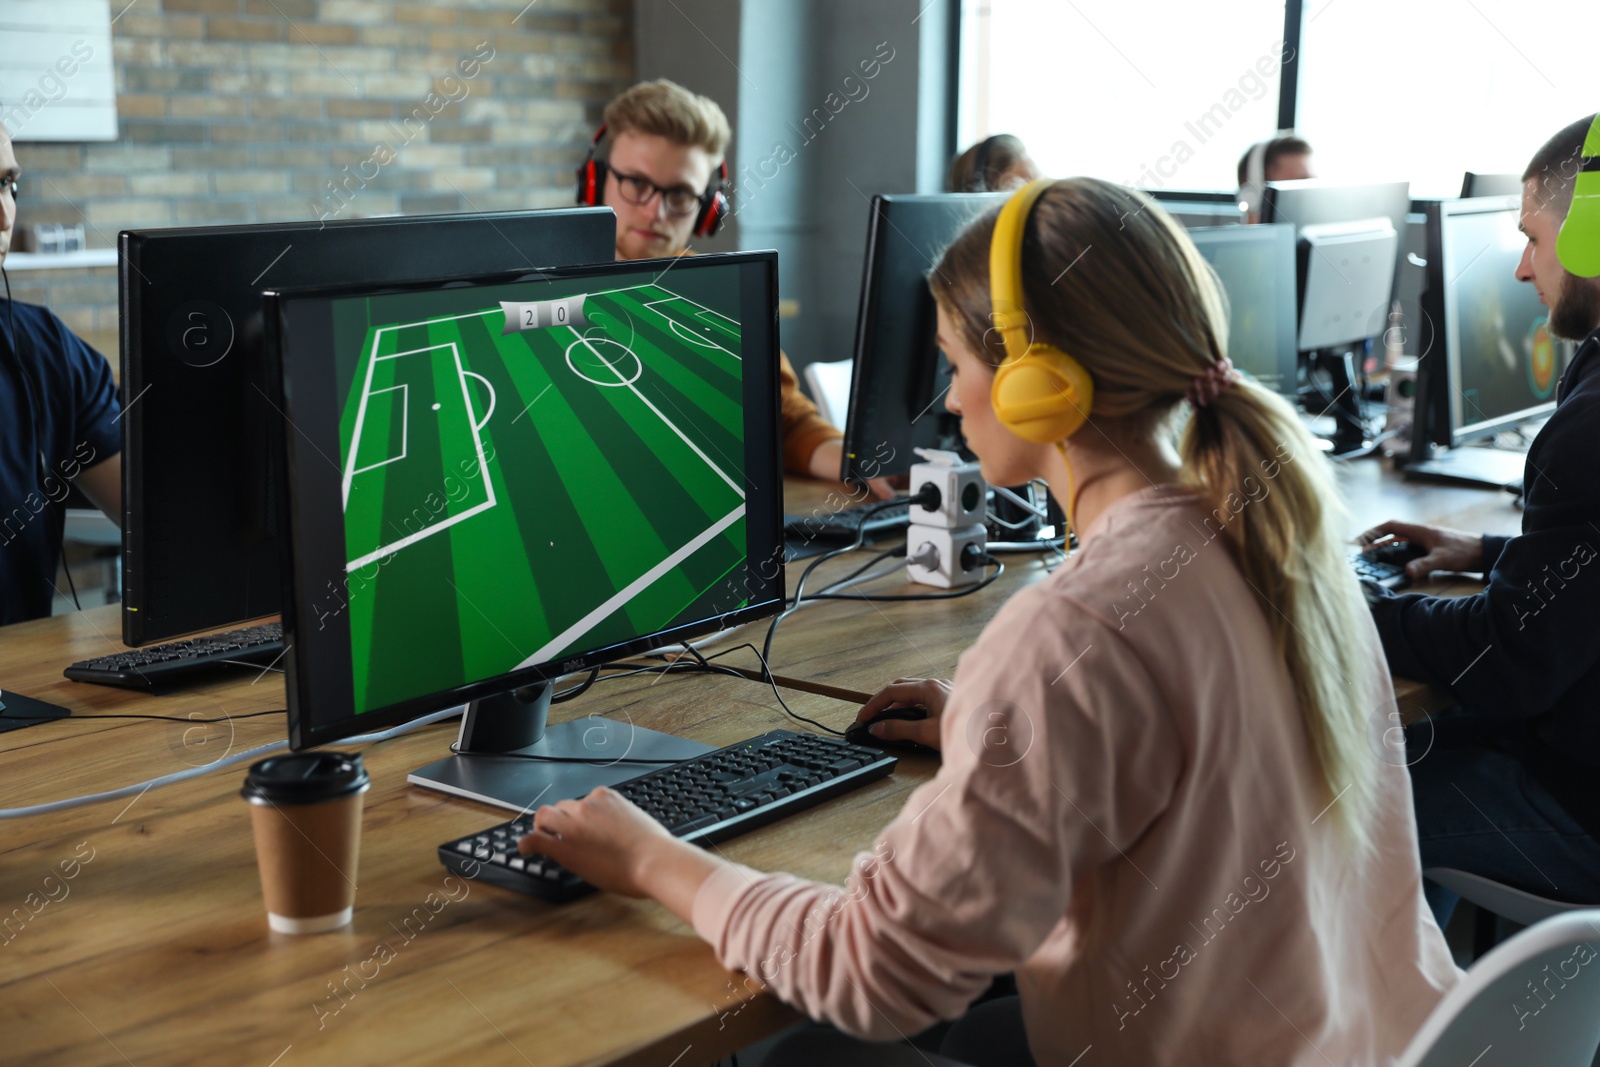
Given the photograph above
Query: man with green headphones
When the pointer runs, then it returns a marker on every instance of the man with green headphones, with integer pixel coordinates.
(1504, 784)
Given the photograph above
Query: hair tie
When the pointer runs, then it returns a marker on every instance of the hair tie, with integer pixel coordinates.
(1211, 382)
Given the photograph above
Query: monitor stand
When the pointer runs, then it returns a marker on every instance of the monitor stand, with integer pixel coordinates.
(1478, 467)
(1349, 439)
(17, 712)
(500, 731)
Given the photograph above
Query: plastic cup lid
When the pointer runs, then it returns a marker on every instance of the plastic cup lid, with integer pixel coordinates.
(305, 778)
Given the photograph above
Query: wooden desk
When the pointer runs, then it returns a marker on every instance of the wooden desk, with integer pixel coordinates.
(157, 951)
(851, 650)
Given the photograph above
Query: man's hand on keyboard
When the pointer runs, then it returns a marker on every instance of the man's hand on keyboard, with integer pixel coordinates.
(1447, 549)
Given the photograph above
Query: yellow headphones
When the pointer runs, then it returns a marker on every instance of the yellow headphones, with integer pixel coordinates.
(1040, 393)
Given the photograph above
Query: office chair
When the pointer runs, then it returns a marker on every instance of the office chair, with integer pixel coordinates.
(1493, 898)
(829, 386)
(1534, 999)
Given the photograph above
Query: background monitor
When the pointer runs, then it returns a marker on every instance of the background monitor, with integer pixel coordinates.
(898, 385)
(1195, 209)
(1316, 201)
(1321, 202)
(1502, 362)
(199, 521)
(1347, 282)
(1256, 267)
(1475, 184)
(496, 482)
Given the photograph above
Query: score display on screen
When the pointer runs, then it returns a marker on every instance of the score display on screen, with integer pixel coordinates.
(544, 314)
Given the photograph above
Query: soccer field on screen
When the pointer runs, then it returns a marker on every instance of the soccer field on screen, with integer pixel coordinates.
(511, 498)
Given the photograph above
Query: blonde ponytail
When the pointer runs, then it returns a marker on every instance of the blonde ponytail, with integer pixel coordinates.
(1249, 444)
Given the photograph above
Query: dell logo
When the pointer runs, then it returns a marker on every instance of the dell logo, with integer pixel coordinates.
(572, 665)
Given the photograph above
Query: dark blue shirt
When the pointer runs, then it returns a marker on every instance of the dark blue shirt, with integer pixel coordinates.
(1527, 649)
(74, 424)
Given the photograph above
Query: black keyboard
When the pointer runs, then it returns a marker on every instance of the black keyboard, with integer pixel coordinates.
(709, 798)
(1390, 575)
(842, 525)
(181, 661)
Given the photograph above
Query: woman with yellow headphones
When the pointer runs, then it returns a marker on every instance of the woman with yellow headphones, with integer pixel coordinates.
(1165, 800)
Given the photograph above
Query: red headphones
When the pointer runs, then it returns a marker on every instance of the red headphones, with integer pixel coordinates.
(713, 202)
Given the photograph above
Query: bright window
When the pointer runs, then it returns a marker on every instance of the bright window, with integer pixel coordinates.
(1168, 95)
(1427, 91)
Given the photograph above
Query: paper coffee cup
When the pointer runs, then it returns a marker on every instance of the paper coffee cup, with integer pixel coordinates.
(305, 809)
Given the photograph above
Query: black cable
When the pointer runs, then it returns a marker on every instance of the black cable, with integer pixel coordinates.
(1000, 568)
(799, 592)
(577, 690)
(898, 550)
(627, 670)
(928, 497)
(773, 682)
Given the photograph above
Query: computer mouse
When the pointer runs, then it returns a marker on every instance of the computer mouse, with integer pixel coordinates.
(1397, 553)
(858, 733)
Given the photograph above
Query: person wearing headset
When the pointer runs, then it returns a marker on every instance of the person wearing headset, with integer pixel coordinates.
(1284, 158)
(1160, 787)
(58, 425)
(664, 175)
(996, 164)
(1504, 785)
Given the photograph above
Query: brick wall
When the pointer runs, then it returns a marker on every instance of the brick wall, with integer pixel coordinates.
(272, 110)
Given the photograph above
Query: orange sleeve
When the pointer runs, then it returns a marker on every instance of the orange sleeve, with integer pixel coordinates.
(803, 428)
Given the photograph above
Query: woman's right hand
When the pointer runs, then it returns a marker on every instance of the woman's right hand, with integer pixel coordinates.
(1446, 549)
(930, 693)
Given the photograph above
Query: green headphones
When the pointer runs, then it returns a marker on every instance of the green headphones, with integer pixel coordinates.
(1578, 245)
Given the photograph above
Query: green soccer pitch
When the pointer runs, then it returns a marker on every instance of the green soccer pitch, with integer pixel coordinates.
(511, 499)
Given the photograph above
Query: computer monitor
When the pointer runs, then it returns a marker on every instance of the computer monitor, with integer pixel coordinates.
(200, 546)
(1347, 274)
(1344, 293)
(1318, 201)
(1195, 208)
(1256, 267)
(498, 481)
(898, 384)
(1475, 184)
(1500, 362)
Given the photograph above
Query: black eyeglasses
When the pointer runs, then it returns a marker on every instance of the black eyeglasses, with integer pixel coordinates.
(637, 189)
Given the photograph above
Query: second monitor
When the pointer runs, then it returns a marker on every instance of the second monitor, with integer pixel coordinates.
(898, 384)
(200, 545)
